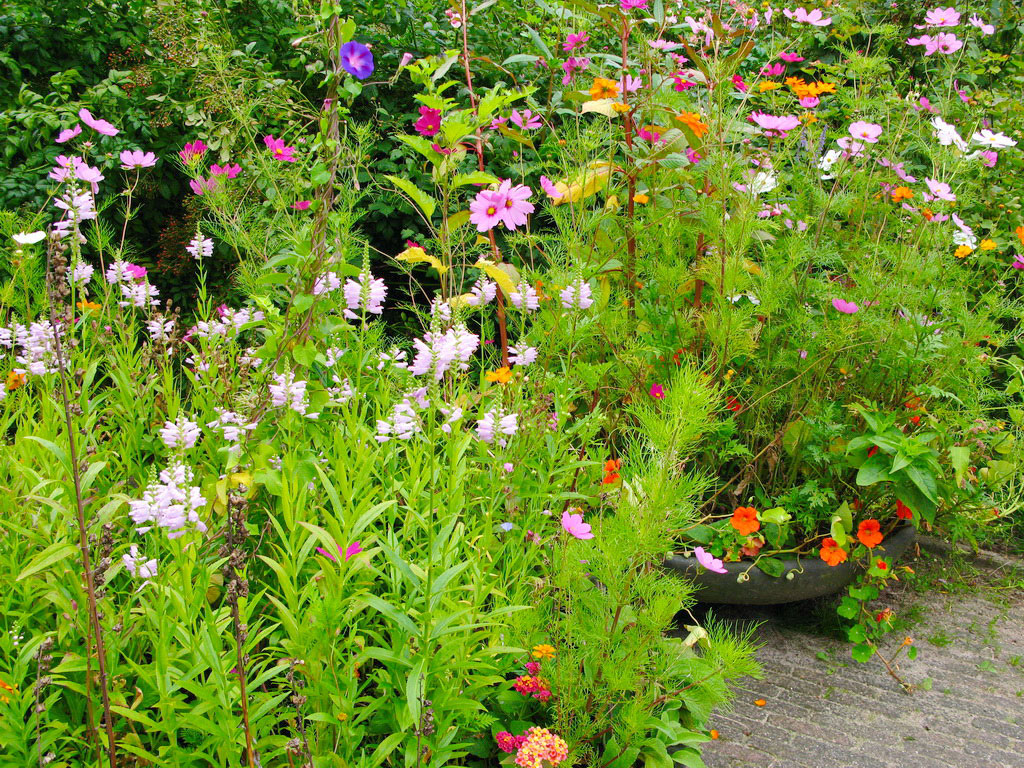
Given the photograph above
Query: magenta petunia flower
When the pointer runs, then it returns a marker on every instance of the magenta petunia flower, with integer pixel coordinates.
(486, 209)
(429, 122)
(549, 188)
(137, 159)
(68, 133)
(707, 560)
(279, 149)
(574, 526)
(846, 307)
(657, 392)
(803, 16)
(866, 132)
(574, 41)
(516, 205)
(100, 126)
(791, 58)
(192, 151)
(356, 59)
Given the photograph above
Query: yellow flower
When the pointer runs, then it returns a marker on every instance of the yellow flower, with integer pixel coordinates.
(641, 199)
(619, 107)
(501, 375)
(767, 85)
(603, 88)
(988, 245)
(543, 651)
(962, 251)
(808, 118)
(343, 716)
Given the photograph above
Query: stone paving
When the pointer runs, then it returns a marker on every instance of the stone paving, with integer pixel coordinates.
(824, 710)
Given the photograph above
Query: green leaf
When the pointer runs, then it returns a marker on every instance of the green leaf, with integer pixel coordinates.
(848, 608)
(924, 480)
(771, 566)
(959, 458)
(838, 531)
(856, 634)
(476, 177)
(56, 551)
(874, 470)
(862, 653)
(426, 203)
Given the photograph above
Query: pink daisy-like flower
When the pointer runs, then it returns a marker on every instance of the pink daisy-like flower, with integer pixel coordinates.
(98, 125)
(137, 159)
(574, 41)
(940, 190)
(846, 307)
(279, 149)
(301, 205)
(803, 16)
(707, 560)
(775, 125)
(629, 5)
(574, 526)
(791, 58)
(192, 151)
(487, 209)
(429, 123)
(68, 133)
(549, 188)
(657, 392)
(526, 119)
(516, 206)
(229, 170)
(866, 132)
(940, 17)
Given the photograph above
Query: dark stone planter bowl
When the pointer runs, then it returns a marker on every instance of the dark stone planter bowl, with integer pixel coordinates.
(812, 577)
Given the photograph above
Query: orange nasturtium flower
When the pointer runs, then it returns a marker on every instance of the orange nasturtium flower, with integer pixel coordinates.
(832, 553)
(692, 121)
(869, 533)
(901, 193)
(611, 471)
(543, 651)
(15, 380)
(744, 520)
(501, 375)
(603, 88)
(963, 251)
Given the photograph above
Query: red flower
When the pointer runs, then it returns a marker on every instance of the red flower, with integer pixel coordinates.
(611, 474)
(831, 552)
(915, 419)
(882, 565)
(869, 533)
(744, 520)
(903, 512)
(873, 451)
(733, 404)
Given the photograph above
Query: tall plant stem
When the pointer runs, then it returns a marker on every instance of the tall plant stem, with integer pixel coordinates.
(240, 666)
(630, 176)
(502, 328)
(325, 194)
(83, 542)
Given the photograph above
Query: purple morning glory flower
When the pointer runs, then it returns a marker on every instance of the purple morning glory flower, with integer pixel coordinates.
(356, 59)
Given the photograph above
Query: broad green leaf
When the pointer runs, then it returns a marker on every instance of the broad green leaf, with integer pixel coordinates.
(426, 203)
(53, 553)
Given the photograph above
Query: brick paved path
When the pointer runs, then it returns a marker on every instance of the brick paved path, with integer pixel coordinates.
(836, 713)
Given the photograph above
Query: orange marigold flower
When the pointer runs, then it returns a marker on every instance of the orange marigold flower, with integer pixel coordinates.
(744, 520)
(928, 213)
(641, 198)
(603, 88)
(767, 85)
(832, 553)
(84, 305)
(821, 88)
(869, 533)
(502, 375)
(963, 251)
(15, 380)
(620, 107)
(901, 193)
(796, 82)
(692, 121)
(543, 651)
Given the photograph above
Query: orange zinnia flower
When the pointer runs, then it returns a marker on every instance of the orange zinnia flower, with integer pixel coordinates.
(543, 651)
(901, 193)
(611, 471)
(603, 88)
(744, 520)
(692, 121)
(869, 533)
(832, 553)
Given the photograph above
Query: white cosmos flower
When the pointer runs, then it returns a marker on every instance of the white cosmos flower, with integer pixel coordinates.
(988, 138)
(28, 238)
(947, 134)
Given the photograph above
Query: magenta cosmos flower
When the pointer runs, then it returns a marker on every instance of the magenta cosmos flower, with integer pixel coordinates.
(775, 125)
(526, 119)
(707, 560)
(977, 21)
(279, 149)
(100, 126)
(229, 170)
(846, 307)
(940, 17)
(574, 526)
(429, 123)
(192, 151)
(657, 392)
(137, 159)
(486, 209)
(356, 59)
(866, 132)
(803, 16)
(629, 5)
(574, 41)
(791, 58)
(68, 133)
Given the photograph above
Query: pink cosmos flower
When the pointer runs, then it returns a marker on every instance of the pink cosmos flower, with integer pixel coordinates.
(791, 58)
(279, 150)
(657, 392)
(100, 126)
(516, 205)
(1017, 263)
(944, 42)
(628, 5)
(850, 147)
(487, 209)
(737, 80)
(866, 132)
(549, 188)
(134, 271)
(630, 84)
(68, 133)
(574, 526)
(574, 41)
(802, 16)
(201, 186)
(940, 190)
(774, 125)
(137, 159)
(570, 65)
(192, 151)
(976, 21)
(229, 170)
(924, 104)
(681, 83)
(708, 561)
(693, 156)
(940, 17)
(301, 205)
(809, 102)
(526, 119)
(989, 158)
(351, 551)
(846, 307)
(429, 123)
(772, 70)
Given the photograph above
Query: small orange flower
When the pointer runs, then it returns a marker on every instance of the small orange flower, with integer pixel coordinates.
(869, 533)
(543, 651)
(901, 193)
(744, 520)
(642, 199)
(767, 85)
(15, 380)
(619, 107)
(714, 734)
(808, 118)
(692, 121)
(502, 375)
(1019, 231)
(611, 471)
(963, 251)
(85, 305)
(928, 213)
(832, 553)
(987, 245)
(760, 702)
(603, 88)
(881, 565)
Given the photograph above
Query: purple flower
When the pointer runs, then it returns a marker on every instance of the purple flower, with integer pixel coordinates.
(100, 126)
(356, 59)
(574, 526)
(846, 307)
(68, 133)
(137, 159)
(708, 561)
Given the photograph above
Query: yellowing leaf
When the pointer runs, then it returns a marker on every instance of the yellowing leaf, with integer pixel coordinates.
(751, 267)
(591, 181)
(600, 106)
(416, 255)
(505, 275)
